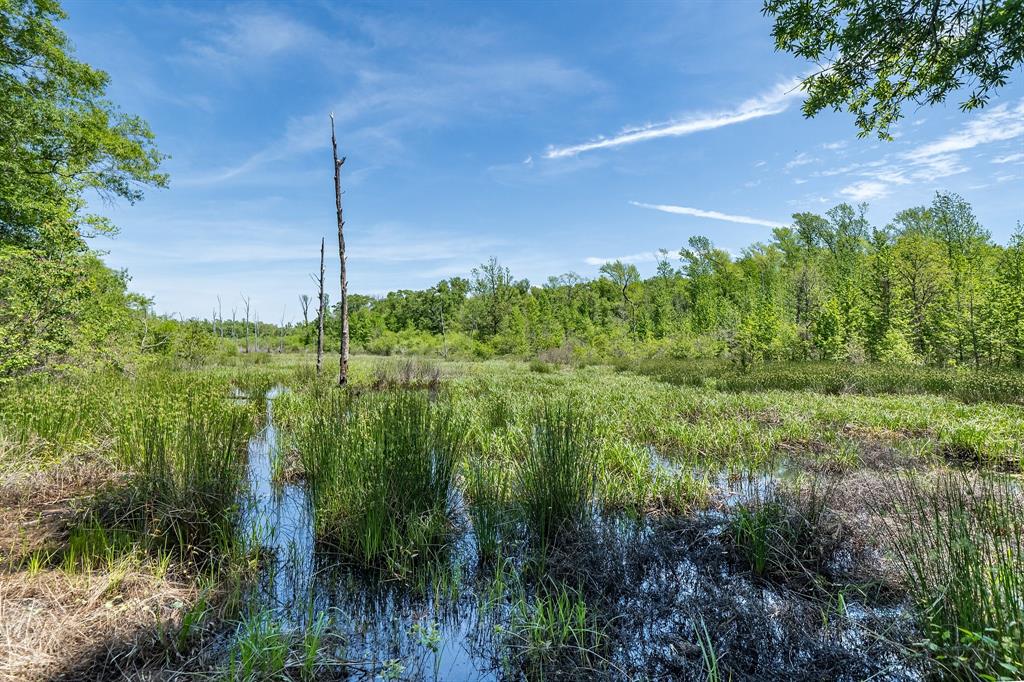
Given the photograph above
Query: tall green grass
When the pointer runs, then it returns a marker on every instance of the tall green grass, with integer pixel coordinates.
(185, 455)
(960, 543)
(558, 473)
(380, 470)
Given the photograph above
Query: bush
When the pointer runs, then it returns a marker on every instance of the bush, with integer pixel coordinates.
(541, 367)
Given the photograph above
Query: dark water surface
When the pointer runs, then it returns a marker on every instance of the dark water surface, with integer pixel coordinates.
(656, 583)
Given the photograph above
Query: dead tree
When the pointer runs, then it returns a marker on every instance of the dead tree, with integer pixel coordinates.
(440, 310)
(320, 315)
(220, 315)
(304, 301)
(246, 302)
(343, 360)
(280, 347)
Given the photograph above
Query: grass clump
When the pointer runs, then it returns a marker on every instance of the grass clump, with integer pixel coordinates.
(380, 469)
(186, 463)
(487, 490)
(558, 474)
(555, 631)
(960, 543)
(791, 537)
(540, 367)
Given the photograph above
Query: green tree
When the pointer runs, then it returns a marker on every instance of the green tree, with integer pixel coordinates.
(624, 276)
(59, 138)
(876, 56)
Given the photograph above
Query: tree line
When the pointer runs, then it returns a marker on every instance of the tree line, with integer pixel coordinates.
(931, 286)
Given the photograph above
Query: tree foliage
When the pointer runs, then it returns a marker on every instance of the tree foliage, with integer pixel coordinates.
(61, 141)
(929, 287)
(876, 56)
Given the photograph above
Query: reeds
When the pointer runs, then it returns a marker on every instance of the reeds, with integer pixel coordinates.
(960, 543)
(558, 474)
(186, 460)
(380, 469)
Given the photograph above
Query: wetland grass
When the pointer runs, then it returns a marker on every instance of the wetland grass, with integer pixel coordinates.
(186, 462)
(960, 542)
(558, 474)
(555, 632)
(381, 473)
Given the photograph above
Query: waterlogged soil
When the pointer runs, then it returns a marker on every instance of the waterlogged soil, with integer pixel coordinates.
(666, 593)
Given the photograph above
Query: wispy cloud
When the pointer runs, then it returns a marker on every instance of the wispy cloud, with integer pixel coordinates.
(250, 36)
(801, 159)
(1001, 122)
(645, 257)
(382, 107)
(931, 161)
(1009, 158)
(773, 102)
(865, 190)
(713, 215)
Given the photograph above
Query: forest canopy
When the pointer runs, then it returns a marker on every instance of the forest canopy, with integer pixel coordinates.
(928, 287)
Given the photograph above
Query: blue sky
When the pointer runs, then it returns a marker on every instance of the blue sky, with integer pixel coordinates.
(550, 135)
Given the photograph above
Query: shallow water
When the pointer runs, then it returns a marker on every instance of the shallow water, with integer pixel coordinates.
(379, 621)
(657, 583)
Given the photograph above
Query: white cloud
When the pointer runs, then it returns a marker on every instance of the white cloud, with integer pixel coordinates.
(801, 159)
(841, 144)
(773, 102)
(714, 215)
(935, 160)
(999, 123)
(250, 36)
(382, 107)
(865, 190)
(645, 257)
(1009, 158)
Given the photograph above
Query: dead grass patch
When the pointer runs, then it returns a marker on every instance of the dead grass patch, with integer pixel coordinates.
(59, 626)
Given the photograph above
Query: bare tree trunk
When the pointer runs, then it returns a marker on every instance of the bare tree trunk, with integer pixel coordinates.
(220, 314)
(280, 348)
(246, 302)
(343, 360)
(256, 333)
(440, 308)
(320, 316)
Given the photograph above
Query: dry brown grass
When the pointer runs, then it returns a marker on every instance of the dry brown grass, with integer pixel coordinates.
(38, 504)
(88, 626)
(58, 625)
